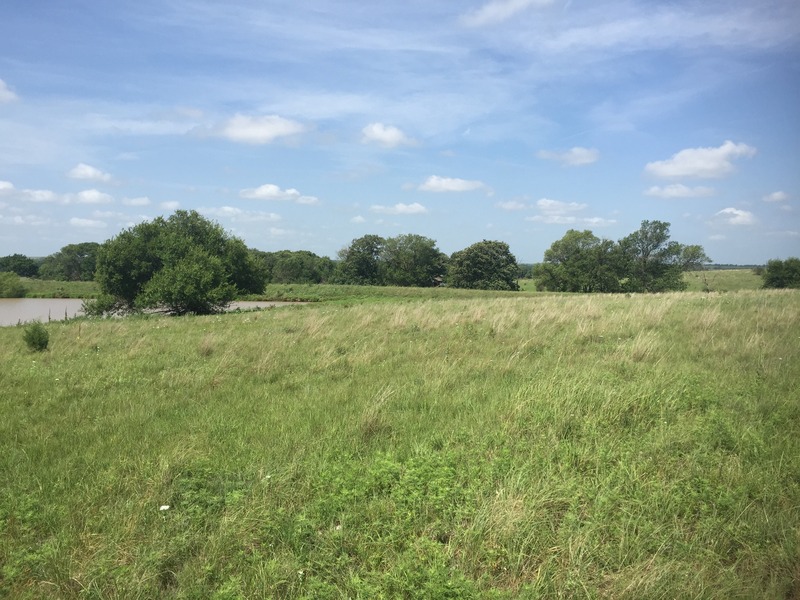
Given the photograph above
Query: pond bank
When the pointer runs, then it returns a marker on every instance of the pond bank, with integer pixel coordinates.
(14, 311)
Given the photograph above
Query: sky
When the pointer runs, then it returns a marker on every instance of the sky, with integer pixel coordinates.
(305, 125)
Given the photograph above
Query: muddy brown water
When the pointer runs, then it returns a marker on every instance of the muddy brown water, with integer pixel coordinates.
(23, 310)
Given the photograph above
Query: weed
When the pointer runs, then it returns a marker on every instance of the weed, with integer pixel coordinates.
(36, 337)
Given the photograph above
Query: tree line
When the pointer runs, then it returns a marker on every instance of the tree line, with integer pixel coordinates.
(188, 264)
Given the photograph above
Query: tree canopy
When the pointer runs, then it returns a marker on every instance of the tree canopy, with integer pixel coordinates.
(782, 273)
(487, 265)
(74, 262)
(19, 264)
(644, 261)
(183, 264)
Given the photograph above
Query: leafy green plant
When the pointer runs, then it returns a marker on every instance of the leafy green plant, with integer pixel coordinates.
(36, 337)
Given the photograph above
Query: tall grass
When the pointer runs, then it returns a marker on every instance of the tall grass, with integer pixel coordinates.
(540, 446)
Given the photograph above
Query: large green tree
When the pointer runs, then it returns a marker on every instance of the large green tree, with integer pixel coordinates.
(74, 262)
(183, 264)
(654, 263)
(360, 262)
(487, 265)
(19, 264)
(579, 262)
(782, 273)
(412, 260)
(300, 266)
(644, 261)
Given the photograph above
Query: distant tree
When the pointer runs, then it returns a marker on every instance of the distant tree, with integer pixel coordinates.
(360, 262)
(74, 262)
(782, 273)
(19, 264)
(579, 262)
(412, 260)
(487, 265)
(184, 264)
(652, 262)
(301, 266)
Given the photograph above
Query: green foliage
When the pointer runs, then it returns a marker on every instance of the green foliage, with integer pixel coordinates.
(487, 265)
(11, 285)
(479, 444)
(74, 262)
(184, 264)
(19, 264)
(412, 260)
(287, 266)
(782, 273)
(360, 263)
(644, 261)
(36, 337)
(579, 262)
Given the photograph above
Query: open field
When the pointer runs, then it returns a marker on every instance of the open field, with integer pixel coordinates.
(512, 446)
(723, 280)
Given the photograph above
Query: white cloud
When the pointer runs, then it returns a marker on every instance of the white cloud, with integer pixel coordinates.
(88, 223)
(6, 186)
(84, 171)
(574, 157)
(385, 135)
(40, 195)
(773, 197)
(400, 209)
(556, 212)
(678, 190)
(237, 215)
(260, 130)
(6, 95)
(88, 197)
(140, 201)
(170, 205)
(270, 191)
(511, 205)
(497, 11)
(435, 183)
(358, 219)
(717, 237)
(701, 162)
(556, 207)
(734, 216)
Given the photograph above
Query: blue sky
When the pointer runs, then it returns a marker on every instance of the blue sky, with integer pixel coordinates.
(306, 125)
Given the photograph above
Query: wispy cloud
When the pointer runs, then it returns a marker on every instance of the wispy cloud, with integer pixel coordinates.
(6, 95)
(86, 223)
(574, 157)
(776, 197)
(388, 136)
(735, 216)
(237, 215)
(399, 209)
(270, 191)
(88, 172)
(434, 183)
(497, 11)
(259, 130)
(701, 163)
(678, 190)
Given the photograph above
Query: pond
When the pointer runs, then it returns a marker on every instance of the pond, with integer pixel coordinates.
(23, 310)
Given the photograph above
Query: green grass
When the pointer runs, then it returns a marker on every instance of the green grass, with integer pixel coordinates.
(44, 288)
(723, 280)
(451, 447)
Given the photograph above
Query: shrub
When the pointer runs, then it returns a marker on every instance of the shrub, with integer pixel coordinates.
(36, 337)
(11, 286)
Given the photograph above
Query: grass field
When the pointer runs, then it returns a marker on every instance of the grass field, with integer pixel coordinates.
(44, 288)
(467, 447)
